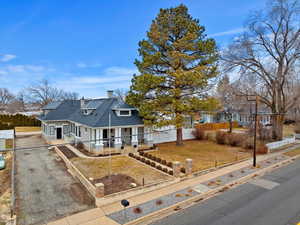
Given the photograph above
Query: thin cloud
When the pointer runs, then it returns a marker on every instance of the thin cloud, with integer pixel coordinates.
(7, 57)
(228, 32)
(115, 70)
(84, 65)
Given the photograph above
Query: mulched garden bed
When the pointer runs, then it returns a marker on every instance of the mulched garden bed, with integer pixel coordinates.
(116, 183)
(67, 152)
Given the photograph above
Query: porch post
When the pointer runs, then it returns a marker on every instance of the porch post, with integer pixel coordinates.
(118, 140)
(148, 136)
(134, 139)
(99, 141)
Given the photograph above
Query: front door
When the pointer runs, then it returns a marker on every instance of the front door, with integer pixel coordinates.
(58, 133)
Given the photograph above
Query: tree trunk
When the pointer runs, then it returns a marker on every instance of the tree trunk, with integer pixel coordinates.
(179, 136)
(230, 126)
(277, 127)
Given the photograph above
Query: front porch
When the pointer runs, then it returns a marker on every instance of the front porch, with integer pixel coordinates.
(119, 138)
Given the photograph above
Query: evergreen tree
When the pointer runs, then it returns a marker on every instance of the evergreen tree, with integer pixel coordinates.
(177, 60)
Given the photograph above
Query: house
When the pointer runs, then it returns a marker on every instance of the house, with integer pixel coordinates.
(97, 123)
(243, 118)
(6, 139)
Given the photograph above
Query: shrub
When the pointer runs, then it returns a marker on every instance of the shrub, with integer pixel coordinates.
(182, 170)
(165, 170)
(138, 158)
(221, 137)
(148, 162)
(164, 162)
(141, 153)
(262, 149)
(170, 164)
(235, 139)
(146, 154)
(199, 133)
(159, 167)
(154, 158)
(130, 154)
(153, 164)
(171, 172)
(248, 143)
(143, 159)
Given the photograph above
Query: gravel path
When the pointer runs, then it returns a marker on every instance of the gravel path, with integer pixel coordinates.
(45, 190)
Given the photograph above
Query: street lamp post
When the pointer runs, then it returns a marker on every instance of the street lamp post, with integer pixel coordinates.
(256, 100)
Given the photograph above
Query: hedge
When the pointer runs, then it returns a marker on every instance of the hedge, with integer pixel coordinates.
(216, 126)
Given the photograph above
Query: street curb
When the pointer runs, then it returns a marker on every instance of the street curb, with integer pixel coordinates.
(188, 202)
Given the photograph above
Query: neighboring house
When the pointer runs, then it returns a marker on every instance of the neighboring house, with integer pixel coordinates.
(94, 122)
(242, 118)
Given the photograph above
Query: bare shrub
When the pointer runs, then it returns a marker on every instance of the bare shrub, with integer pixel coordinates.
(221, 137)
(262, 149)
(199, 133)
(80, 145)
(235, 139)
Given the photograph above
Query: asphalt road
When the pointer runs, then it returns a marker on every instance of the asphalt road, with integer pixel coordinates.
(273, 199)
(45, 190)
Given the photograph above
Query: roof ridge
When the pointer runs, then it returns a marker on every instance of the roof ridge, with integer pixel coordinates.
(108, 108)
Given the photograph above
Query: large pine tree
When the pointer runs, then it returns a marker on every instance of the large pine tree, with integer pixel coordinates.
(177, 60)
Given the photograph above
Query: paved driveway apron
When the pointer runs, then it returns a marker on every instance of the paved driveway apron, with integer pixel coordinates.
(45, 190)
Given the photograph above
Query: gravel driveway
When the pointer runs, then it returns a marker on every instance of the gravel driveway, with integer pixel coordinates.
(45, 190)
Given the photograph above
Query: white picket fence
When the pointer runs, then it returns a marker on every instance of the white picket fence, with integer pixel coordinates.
(170, 135)
(278, 144)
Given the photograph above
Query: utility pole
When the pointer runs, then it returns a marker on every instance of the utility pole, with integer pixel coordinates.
(255, 130)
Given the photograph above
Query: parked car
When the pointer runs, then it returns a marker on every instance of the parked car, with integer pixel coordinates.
(2, 162)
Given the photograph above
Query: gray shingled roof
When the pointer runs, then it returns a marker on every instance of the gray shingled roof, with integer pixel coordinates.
(69, 110)
(52, 105)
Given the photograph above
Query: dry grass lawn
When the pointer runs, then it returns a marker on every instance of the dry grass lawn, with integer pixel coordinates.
(203, 153)
(288, 130)
(98, 168)
(293, 152)
(27, 129)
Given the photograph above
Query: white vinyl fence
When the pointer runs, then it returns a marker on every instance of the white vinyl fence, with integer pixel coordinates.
(277, 144)
(170, 135)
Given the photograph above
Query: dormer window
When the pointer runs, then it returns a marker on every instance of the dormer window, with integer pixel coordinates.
(86, 112)
(124, 112)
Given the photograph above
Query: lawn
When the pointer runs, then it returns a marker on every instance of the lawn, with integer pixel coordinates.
(203, 153)
(293, 152)
(27, 129)
(98, 168)
(288, 130)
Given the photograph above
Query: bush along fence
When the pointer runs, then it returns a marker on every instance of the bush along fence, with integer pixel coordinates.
(172, 168)
(10, 121)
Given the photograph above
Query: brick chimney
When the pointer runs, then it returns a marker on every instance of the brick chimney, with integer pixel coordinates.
(110, 93)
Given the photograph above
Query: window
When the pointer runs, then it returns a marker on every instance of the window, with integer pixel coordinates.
(52, 130)
(79, 132)
(66, 129)
(124, 113)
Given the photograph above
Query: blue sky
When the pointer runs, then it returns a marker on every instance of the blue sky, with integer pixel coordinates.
(90, 46)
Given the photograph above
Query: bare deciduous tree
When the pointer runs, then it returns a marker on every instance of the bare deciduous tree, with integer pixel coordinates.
(267, 53)
(5, 97)
(43, 93)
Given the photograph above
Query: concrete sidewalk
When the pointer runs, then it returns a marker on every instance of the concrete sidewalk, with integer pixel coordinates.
(109, 214)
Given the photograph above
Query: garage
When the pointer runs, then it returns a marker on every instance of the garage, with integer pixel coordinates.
(6, 139)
